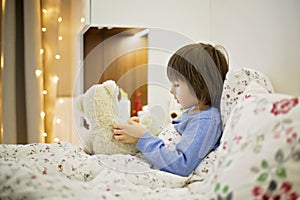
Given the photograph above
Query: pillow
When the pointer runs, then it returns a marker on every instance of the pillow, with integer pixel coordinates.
(207, 166)
(260, 157)
(171, 137)
(235, 83)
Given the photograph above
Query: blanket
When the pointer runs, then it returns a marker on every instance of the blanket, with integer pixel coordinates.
(65, 171)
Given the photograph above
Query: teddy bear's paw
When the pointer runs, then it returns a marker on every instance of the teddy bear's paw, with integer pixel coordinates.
(153, 119)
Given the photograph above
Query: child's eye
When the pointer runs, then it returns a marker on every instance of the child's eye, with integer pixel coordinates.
(176, 85)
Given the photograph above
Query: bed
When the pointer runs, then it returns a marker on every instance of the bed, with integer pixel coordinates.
(259, 158)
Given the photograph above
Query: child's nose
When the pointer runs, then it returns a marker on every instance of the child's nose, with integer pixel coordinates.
(172, 91)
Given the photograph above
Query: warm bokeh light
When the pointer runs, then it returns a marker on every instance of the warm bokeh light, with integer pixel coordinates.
(43, 114)
(58, 120)
(61, 100)
(38, 72)
(52, 23)
(57, 56)
(44, 134)
(55, 79)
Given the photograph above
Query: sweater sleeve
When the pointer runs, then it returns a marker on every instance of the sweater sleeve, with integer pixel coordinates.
(197, 141)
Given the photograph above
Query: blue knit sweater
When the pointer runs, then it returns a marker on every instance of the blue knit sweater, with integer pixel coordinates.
(200, 134)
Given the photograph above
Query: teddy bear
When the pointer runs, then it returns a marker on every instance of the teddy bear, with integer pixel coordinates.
(100, 108)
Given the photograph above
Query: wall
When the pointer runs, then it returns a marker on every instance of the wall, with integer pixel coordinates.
(263, 35)
(80, 13)
(188, 17)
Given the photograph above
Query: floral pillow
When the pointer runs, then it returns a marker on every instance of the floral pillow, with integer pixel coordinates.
(171, 137)
(260, 158)
(234, 85)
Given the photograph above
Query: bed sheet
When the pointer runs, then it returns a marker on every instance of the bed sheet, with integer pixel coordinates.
(65, 171)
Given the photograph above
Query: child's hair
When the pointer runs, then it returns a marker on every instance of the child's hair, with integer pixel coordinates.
(203, 67)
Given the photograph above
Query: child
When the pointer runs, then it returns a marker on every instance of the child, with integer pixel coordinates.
(197, 72)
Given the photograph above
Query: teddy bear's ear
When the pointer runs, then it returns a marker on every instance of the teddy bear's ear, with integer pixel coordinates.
(111, 87)
(79, 104)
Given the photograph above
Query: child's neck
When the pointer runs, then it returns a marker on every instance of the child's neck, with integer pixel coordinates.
(198, 108)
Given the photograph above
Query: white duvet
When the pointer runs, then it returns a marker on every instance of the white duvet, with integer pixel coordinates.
(65, 171)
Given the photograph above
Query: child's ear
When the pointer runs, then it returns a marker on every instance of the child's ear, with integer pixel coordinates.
(111, 87)
(79, 104)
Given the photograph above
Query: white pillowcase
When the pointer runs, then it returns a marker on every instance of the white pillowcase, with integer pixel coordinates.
(234, 86)
(259, 155)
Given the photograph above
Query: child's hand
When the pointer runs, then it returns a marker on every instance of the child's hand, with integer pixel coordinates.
(129, 133)
(135, 119)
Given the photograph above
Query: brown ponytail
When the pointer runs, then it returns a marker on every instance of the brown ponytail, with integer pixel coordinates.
(203, 67)
(219, 56)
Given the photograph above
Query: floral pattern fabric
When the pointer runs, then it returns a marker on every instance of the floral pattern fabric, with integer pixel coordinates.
(261, 159)
(171, 137)
(64, 171)
(235, 83)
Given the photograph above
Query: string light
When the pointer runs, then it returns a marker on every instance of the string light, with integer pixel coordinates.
(59, 19)
(61, 100)
(38, 72)
(82, 19)
(2, 60)
(56, 139)
(44, 134)
(55, 79)
(43, 114)
(54, 46)
(58, 120)
(57, 56)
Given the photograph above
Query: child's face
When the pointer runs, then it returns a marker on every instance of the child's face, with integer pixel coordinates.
(183, 94)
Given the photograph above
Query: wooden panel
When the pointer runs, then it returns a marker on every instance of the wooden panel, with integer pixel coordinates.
(130, 71)
(94, 36)
(123, 59)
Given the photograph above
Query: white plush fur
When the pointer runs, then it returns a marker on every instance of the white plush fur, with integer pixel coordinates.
(99, 107)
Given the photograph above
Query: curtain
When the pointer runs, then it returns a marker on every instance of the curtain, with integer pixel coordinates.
(8, 73)
(22, 100)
